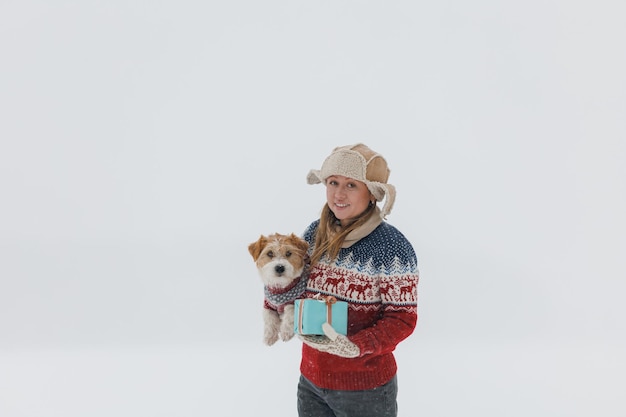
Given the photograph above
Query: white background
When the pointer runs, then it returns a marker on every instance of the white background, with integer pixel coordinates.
(144, 145)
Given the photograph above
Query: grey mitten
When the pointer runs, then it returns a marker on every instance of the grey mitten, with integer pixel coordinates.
(333, 343)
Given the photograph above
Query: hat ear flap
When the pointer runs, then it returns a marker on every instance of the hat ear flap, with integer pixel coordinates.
(389, 200)
(377, 189)
(314, 177)
(383, 191)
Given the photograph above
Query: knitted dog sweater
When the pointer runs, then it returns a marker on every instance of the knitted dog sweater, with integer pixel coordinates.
(378, 277)
(277, 298)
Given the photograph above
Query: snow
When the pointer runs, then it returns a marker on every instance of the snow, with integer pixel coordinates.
(435, 379)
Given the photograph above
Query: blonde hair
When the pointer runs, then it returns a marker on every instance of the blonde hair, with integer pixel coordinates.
(330, 234)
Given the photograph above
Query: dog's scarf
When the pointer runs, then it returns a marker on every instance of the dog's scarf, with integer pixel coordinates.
(276, 298)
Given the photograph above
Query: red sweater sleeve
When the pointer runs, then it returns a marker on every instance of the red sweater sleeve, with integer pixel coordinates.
(385, 334)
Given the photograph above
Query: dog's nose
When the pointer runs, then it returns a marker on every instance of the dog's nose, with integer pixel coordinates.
(279, 269)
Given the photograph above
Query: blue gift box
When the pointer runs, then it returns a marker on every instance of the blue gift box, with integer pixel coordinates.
(311, 313)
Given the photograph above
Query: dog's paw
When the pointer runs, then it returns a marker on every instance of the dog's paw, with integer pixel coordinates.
(286, 334)
(270, 338)
(286, 323)
(271, 327)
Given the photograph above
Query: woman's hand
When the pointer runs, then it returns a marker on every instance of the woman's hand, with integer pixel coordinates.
(333, 343)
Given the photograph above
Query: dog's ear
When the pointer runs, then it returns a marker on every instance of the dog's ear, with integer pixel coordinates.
(299, 243)
(255, 248)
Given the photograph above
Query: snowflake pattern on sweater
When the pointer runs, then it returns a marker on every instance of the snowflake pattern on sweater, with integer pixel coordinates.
(378, 277)
(379, 269)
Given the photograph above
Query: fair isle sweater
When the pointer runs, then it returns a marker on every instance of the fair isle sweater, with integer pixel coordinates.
(378, 277)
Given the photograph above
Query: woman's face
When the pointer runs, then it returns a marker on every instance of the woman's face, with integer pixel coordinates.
(346, 197)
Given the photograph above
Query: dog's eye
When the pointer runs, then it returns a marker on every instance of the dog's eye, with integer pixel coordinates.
(270, 254)
(288, 254)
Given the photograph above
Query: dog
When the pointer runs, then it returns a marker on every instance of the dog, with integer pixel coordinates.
(281, 261)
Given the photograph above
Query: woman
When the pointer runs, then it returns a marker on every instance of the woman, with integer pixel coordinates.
(359, 258)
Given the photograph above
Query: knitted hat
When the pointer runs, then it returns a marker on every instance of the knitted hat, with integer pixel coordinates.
(360, 163)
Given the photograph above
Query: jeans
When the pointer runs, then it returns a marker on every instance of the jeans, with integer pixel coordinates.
(319, 402)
